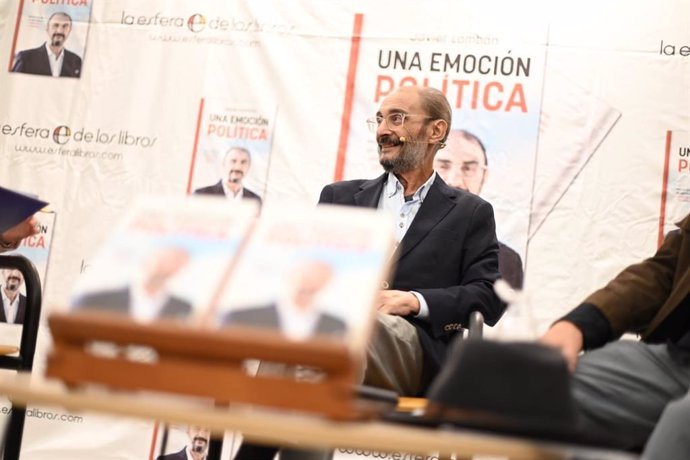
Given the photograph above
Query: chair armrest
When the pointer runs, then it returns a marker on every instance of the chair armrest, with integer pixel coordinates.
(476, 326)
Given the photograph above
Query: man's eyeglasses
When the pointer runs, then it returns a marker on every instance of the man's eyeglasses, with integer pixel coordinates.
(393, 120)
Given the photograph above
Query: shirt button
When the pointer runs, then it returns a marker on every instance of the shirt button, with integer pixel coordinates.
(401, 225)
(402, 215)
(384, 285)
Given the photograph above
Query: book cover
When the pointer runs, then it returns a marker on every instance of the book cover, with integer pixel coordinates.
(166, 258)
(37, 247)
(675, 190)
(50, 38)
(232, 149)
(311, 271)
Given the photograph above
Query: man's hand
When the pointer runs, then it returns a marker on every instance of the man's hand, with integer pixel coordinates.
(20, 231)
(401, 303)
(567, 338)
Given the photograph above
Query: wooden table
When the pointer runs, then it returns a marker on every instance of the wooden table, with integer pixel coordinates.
(278, 427)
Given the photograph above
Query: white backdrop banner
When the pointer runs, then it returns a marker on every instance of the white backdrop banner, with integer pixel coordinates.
(583, 111)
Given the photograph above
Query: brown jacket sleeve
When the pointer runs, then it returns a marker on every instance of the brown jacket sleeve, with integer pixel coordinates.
(636, 298)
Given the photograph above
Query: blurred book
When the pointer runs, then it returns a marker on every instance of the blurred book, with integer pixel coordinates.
(16, 207)
(309, 272)
(298, 271)
(166, 258)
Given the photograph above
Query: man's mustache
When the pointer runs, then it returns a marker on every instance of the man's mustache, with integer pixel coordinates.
(389, 140)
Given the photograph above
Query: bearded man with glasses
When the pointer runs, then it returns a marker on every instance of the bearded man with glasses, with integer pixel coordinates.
(447, 255)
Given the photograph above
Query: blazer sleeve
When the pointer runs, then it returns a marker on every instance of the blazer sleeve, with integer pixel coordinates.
(479, 270)
(19, 63)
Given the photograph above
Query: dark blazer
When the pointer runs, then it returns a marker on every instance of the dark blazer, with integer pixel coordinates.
(449, 255)
(117, 301)
(35, 61)
(649, 297)
(217, 189)
(510, 266)
(181, 455)
(267, 317)
(21, 311)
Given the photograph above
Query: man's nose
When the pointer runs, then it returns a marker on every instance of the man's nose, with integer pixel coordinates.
(383, 129)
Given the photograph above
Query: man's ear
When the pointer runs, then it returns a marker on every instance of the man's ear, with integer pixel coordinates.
(439, 128)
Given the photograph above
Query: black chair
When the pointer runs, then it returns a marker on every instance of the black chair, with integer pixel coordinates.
(23, 362)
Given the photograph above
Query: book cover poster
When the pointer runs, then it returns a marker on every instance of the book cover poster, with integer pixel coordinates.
(166, 258)
(50, 38)
(36, 248)
(675, 194)
(492, 76)
(232, 149)
(310, 271)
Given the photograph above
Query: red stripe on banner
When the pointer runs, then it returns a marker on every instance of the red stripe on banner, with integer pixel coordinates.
(154, 438)
(664, 186)
(196, 145)
(16, 33)
(349, 97)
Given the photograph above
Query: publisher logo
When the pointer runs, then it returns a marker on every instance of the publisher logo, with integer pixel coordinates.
(674, 49)
(61, 134)
(196, 23)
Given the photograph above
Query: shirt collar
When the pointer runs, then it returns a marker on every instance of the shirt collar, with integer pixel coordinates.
(393, 186)
(53, 55)
(229, 193)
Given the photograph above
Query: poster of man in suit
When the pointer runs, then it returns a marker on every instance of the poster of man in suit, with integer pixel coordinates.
(50, 39)
(13, 301)
(234, 168)
(195, 449)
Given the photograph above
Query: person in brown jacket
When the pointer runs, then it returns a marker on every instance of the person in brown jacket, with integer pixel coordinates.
(636, 390)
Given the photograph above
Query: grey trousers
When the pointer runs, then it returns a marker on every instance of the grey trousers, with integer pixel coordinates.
(626, 386)
(394, 356)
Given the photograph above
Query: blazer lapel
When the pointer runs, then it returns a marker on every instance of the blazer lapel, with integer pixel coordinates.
(45, 64)
(435, 207)
(370, 192)
(21, 310)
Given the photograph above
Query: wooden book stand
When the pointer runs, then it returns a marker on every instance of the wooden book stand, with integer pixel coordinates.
(202, 362)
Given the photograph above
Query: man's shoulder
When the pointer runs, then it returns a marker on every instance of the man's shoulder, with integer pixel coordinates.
(31, 52)
(111, 298)
(246, 193)
(181, 455)
(215, 189)
(72, 56)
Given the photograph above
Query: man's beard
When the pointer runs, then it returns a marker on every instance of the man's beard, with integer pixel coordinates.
(57, 40)
(410, 156)
(235, 176)
(199, 445)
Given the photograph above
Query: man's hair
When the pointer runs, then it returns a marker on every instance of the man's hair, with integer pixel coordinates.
(436, 105)
(60, 13)
(241, 149)
(472, 137)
